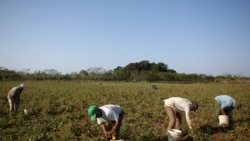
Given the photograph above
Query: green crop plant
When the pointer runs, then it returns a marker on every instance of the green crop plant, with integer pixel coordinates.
(60, 110)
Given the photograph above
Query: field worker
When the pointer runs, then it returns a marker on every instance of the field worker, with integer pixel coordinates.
(107, 114)
(225, 104)
(174, 106)
(14, 97)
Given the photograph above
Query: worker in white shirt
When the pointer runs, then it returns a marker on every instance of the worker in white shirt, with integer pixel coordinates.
(14, 97)
(106, 114)
(174, 106)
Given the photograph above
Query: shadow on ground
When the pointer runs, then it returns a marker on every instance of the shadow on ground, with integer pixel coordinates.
(208, 129)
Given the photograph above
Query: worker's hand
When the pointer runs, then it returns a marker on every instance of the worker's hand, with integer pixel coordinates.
(107, 134)
(191, 132)
(113, 132)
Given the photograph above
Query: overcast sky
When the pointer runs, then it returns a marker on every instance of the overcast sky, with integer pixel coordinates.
(191, 36)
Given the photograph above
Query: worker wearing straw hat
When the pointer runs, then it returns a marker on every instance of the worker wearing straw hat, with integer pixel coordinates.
(225, 104)
(174, 106)
(105, 114)
(14, 97)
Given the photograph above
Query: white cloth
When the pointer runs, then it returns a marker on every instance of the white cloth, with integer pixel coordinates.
(179, 104)
(14, 93)
(109, 113)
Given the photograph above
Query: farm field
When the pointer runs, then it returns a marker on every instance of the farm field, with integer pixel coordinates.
(60, 110)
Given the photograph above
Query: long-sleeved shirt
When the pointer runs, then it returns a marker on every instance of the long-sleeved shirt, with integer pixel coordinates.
(14, 94)
(180, 104)
(109, 113)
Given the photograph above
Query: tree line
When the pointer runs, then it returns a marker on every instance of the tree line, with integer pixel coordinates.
(137, 71)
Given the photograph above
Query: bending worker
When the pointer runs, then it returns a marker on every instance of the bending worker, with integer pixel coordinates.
(225, 104)
(106, 114)
(14, 97)
(174, 106)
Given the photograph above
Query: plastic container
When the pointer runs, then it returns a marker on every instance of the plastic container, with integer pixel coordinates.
(28, 111)
(174, 135)
(223, 120)
(114, 139)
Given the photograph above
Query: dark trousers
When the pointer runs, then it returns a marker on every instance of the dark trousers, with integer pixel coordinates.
(117, 135)
(117, 131)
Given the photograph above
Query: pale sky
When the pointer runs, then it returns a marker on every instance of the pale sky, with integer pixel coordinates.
(209, 37)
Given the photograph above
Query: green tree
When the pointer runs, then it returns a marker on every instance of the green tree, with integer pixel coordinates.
(84, 75)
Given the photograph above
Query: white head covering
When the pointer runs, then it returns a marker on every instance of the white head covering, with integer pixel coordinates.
(22, 85)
